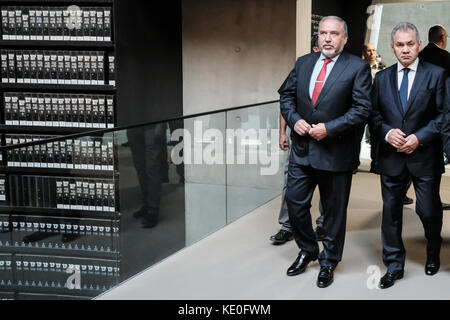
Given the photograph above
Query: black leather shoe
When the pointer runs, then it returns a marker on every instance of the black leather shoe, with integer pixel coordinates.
(325, 277)
(149, 221)
(320, 234)
(407, 201)
(432, 266)
(139, 213)
(37, 236)
(66, 238)
(388, 279)
(300, 264)
(445, 206)
(281, 237)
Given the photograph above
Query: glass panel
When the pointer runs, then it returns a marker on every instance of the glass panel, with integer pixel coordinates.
(205, 176)
(152, 197)
(59, 219)
(255, 165)
(80, 214)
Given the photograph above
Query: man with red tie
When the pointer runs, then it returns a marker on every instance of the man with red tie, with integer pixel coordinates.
(326, 102)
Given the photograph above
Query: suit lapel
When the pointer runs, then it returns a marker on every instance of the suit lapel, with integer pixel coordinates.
(338, 69)
(305, 80)
(394, 88)
(418, 80)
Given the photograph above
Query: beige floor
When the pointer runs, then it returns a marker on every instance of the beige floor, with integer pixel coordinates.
(240, 263)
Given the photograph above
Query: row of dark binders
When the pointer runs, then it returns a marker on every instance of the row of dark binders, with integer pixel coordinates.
(39, 232)
(87, 153)
(67, 193)
(57, 67)
(56, 23)
(52, 273)
(58, 110)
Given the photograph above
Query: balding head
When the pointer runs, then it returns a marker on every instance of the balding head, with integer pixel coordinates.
(369, 53)
(438, 35)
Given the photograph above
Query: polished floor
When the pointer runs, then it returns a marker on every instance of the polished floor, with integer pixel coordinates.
(240, 263)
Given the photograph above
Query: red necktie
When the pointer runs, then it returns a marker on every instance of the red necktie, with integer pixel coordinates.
(320, 81)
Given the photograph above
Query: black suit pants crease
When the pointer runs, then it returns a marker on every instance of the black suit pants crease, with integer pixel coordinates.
(428, 208)
(334, 188)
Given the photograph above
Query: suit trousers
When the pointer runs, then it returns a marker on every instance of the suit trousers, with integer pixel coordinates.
(428, 207)
(334, 188)
(149, 151)
(283, 217)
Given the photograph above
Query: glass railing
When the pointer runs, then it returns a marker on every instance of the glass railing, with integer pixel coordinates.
(79, 214)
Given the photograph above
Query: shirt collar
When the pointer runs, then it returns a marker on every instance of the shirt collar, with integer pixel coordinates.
(322, 57)
(435, 45)
(412, 67)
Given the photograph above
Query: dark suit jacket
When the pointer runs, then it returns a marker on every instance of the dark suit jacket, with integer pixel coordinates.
(343, 106)
(423, 118)
(435, 55)
(446, 122)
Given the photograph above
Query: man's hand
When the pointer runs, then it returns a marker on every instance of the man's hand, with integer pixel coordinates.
(284, 142)
(412, 143)
(318, 131)
(302, 127)
(396, 138)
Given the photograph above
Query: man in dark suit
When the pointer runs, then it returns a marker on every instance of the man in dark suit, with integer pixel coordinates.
(326, 101)
(446, 123)
(407, 101)
(435, 52)
(285, 233)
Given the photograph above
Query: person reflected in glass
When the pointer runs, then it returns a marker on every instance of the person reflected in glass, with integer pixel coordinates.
(149, 152)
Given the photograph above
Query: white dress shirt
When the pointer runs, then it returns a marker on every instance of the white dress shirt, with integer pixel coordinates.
(316, 71)
(411, 76)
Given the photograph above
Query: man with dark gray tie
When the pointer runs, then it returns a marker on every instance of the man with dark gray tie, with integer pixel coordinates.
(407, 101)
(326, 102)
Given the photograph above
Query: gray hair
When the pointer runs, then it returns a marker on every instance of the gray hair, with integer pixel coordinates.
(405, 26)
(344, 24)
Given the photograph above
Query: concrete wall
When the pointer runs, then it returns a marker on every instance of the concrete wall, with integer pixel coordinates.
(422, 15)
(398, 1)
(303, 27)
(236, 52)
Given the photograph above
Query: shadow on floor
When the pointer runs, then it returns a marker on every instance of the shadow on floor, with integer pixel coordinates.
(416, 251)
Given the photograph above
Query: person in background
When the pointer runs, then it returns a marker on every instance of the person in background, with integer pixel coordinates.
(445, 133)
(315, 44)
(435, 52)
(370, 56)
